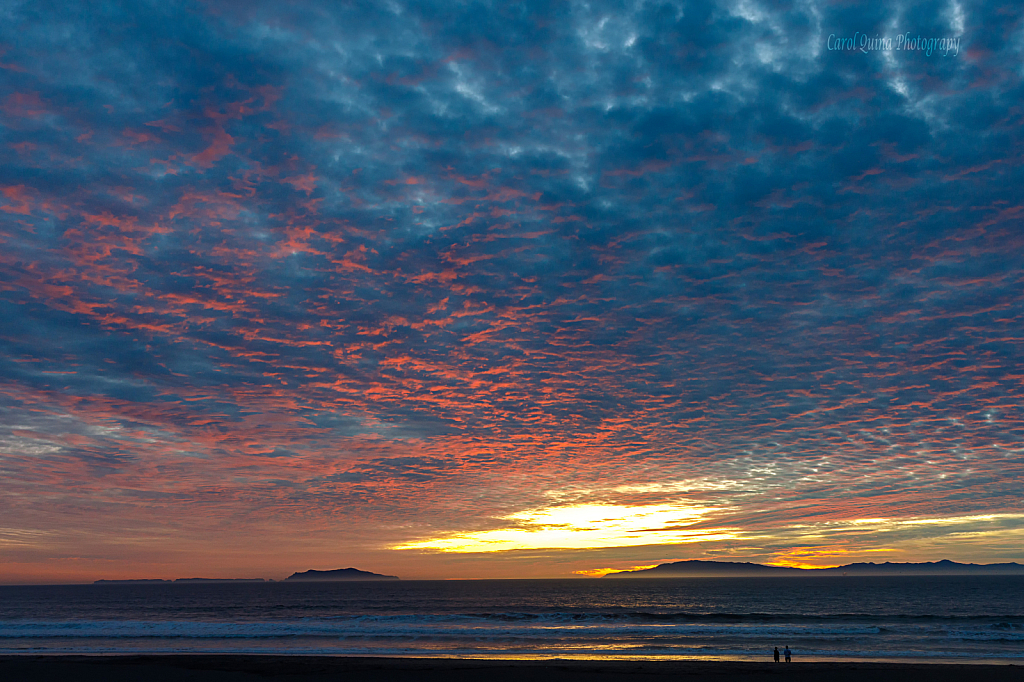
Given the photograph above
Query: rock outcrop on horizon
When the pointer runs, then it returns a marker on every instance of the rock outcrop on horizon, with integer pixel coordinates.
(337, 575)
(728, 569)
(695, 569)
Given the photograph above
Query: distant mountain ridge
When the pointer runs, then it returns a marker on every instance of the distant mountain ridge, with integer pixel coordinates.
(710, 568)
(338, 574)
(944, 566)
(730, 569)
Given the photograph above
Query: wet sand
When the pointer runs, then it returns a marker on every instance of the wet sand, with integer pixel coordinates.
(231, 667)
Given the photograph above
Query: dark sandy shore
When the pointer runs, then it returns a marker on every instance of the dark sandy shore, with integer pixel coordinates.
(223, 668)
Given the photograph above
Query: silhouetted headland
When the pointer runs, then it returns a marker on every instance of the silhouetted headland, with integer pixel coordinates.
(729, 569)
(338, 574)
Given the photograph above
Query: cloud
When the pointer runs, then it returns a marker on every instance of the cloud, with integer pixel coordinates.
(420, 267)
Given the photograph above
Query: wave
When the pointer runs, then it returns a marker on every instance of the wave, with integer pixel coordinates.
(1011, 620)
(550, 627)
(525, 650)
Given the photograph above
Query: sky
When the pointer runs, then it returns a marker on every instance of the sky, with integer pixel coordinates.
(502, 290)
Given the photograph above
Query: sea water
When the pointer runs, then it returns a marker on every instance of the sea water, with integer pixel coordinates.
(820, 618)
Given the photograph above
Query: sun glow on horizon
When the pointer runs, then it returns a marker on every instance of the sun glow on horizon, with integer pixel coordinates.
(601, 572)
(585, 526)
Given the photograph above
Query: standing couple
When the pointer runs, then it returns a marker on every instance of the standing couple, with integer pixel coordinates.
(787, 653)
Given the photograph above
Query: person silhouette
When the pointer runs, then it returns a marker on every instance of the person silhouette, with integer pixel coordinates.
(788, 653)
(776, 654)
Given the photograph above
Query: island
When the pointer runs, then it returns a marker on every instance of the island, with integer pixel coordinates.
(311, 576)
(337, 575)
(728, 569)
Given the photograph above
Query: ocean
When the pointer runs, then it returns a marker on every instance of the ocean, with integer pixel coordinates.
(979, 618)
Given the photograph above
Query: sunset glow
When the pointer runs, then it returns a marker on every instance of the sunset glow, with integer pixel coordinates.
(583, 527)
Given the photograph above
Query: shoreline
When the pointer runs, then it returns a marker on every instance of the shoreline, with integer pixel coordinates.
(526, 658)
(222, 667)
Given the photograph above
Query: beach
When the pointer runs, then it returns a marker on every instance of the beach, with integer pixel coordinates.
(234, 667)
